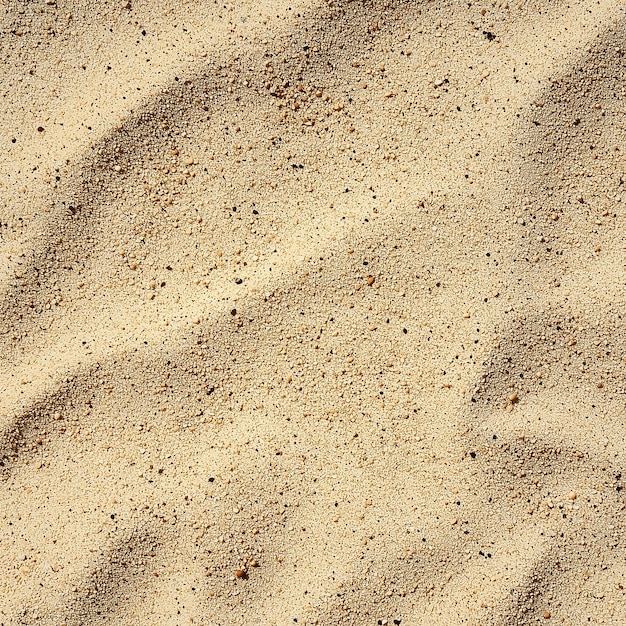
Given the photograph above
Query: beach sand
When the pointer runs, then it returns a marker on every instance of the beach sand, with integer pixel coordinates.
(312, 313)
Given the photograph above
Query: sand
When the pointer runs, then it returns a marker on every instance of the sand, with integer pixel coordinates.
(312, 312)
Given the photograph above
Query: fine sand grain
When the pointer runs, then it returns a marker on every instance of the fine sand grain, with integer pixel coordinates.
(312, 312)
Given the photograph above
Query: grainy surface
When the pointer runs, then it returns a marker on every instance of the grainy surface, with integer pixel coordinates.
(312, 312)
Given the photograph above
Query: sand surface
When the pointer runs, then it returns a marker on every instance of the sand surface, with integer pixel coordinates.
(312, 312)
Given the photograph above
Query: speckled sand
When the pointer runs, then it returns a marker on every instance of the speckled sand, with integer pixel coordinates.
(312, 313)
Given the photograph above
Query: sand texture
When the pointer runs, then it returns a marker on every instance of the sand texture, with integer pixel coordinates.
(312, 312)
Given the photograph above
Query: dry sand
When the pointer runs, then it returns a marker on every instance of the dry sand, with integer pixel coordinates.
(312, 312)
